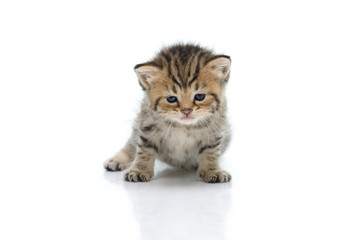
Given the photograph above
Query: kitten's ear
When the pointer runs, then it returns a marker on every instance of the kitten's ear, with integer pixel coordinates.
(220, 66)
(146, 73)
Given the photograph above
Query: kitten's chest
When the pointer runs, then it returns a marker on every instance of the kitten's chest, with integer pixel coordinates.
(179, 139)
(179, 143)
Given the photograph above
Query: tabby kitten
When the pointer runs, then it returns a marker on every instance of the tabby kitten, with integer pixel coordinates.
(183, 115)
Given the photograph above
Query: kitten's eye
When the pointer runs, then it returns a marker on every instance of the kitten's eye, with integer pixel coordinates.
(171, 99)
(199, 97)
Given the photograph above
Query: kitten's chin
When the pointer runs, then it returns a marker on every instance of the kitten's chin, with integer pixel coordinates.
(187, 120)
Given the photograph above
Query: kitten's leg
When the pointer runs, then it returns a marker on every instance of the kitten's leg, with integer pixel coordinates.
(142, 167)
(209, 169)
(123, 159)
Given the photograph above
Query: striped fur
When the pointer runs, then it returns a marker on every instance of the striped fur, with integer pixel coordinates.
(188, 133)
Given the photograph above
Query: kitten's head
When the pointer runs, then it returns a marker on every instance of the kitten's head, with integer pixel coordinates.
(185, 82)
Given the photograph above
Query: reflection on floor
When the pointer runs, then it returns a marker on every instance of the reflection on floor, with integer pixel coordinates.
(177, 203)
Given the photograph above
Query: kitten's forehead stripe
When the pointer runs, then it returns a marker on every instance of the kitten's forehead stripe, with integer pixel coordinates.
(177, 69)
(197, 68)
(175, 81)
(192, 81)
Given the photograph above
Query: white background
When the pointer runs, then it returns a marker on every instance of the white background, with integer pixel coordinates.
(68, 96)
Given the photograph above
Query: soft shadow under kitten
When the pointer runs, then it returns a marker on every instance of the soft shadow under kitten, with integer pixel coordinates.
(183, 115)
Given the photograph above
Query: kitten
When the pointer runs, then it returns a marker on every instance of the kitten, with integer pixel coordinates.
(183, 115)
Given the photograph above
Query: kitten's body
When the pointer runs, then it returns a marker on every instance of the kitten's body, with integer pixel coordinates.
(191, 140)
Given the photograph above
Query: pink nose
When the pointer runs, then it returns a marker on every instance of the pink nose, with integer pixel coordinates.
(186, 111)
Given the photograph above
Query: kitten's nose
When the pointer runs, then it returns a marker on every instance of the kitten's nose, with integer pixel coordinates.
(186, 111)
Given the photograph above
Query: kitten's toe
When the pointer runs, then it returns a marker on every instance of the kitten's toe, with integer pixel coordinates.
(111, 165)
(145, 177)
(114, 165)
(118, 162)
(134, 175)
(224, 176)
(219, 176)
(123, 166)
(211, 178)
(201, 173)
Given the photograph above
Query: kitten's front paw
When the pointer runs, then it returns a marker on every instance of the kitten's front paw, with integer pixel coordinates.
(114, 165)
(214, 176)
(135, 175)
(118, 162)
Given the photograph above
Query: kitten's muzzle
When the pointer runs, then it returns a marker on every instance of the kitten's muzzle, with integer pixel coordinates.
(186, 111)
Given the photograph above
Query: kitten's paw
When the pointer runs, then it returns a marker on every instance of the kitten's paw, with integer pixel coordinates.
(118, 162)
(135, 175)
(114, 165)
(214, 176)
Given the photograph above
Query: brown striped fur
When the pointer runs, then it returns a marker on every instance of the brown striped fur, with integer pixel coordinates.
(188, 133)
